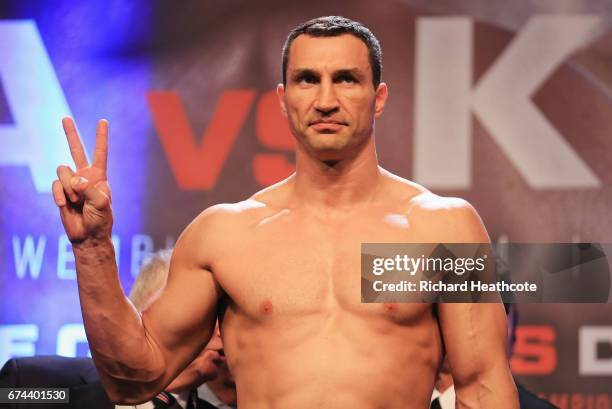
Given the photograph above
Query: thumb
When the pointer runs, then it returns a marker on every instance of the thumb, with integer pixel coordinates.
(92, 194)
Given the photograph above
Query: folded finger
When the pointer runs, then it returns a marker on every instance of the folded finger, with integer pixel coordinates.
(58, 193)
(65, 174)
(92, 194)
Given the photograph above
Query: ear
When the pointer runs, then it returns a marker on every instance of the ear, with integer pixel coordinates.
(382, 92)
(280, 92)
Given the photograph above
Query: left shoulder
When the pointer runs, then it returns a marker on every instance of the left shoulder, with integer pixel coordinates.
(445, 208)
(452, 219)
(412, 196)
(434, 218)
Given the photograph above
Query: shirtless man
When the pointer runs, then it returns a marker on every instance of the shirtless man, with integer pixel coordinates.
(282, 268)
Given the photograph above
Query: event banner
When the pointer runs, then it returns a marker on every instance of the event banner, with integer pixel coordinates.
(507, 105)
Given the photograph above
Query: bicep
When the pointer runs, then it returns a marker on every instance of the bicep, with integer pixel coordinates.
(182, 319)
(474, 338)
(475, 333)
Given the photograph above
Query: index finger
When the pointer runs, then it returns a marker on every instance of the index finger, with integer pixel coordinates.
(74, 142)
(101, 149)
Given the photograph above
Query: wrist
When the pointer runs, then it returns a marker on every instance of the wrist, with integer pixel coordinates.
(93, 244)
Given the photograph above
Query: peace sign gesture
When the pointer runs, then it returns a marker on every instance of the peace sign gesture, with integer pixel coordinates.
(83, 196)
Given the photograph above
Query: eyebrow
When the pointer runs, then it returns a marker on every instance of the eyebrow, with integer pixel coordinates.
(354, 72)
(298, 72)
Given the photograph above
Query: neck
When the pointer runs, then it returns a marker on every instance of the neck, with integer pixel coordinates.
(224, 390)
(337, 185)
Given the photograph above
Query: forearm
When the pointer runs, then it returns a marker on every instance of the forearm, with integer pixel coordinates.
(122, 349)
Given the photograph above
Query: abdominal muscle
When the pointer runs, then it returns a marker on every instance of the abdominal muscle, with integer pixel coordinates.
(333, 359)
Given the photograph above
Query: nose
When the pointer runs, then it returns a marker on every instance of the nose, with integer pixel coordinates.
(327, 100)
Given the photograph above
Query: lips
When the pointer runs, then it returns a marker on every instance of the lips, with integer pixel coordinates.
(323, 125)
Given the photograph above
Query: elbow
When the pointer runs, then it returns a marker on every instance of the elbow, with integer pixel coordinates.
(131, 391)
(117, 398)
(130, 394)
(128, 400)
(487, 389)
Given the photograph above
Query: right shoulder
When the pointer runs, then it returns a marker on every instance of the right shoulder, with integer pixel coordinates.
(224, 216)
(215, 231)
(268, 200)
(222, 224)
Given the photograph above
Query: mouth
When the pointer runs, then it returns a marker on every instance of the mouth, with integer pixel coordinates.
(327, 126)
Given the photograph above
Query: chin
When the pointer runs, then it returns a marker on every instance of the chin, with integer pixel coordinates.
(327, 155)
(334, 154)
(333, 147)
(328, 148)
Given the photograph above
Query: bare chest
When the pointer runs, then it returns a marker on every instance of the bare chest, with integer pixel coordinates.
(292, 267)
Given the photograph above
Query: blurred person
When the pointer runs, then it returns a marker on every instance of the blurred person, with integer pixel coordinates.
(219, 392)
(80, 375)
(281, 269)
(443, 396)
(77, 374)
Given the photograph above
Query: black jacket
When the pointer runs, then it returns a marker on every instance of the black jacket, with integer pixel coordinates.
(77, 374)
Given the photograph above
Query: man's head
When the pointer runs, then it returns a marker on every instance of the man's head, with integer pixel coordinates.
(332, 26)
(151, 279)
(331, 91)
(224, 385)
(147, 288)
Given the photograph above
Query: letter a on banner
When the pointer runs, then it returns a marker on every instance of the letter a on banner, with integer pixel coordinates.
(36, 101)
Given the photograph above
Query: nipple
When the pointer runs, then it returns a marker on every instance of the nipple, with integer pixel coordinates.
(266, 307)
(390, 306)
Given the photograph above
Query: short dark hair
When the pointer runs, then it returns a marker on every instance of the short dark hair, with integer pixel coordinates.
(332, 26)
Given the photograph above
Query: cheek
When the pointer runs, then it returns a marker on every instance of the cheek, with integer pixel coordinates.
(300, 101)
(294, 112)
(293, 119)
(359, 109)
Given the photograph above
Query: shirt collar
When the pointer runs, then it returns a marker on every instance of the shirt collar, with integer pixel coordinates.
(182, 398)
(446, 398)
(209, 396)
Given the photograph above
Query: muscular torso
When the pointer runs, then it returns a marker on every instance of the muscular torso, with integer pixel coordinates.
(294, 329)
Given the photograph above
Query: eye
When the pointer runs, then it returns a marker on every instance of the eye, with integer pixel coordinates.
(307, 79)
(347, 78)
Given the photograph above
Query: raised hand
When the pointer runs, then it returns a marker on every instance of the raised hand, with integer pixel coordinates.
(83, 196)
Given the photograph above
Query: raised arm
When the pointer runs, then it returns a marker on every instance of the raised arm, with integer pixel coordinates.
(136, 355)
(475, 334)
